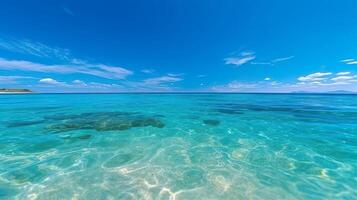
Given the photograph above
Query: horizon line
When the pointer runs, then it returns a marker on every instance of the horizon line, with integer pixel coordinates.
(293, 93)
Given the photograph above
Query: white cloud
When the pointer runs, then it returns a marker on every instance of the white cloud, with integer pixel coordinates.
(347, 60)
(234, 86)
(50, 81)
(161, 83)
(103, 86)
(172, 74)
(116, 72)
(245, 57)
(316, 82)
(342, 78)
(282, 59)
(79, 83)
(350, 61)
(318, 76)
(261, 63)
(69, 65)
(343, 73)
(12, 79)
(247, 53)
(321, 79)
(34, 48)
(274, 61)
(161, 80)
(77, 61)
(267, 79)
(275, 83)
(238, 85)
(99, 70)
(148, 71)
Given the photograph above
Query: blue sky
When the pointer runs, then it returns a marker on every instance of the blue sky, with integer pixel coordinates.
(196, 45)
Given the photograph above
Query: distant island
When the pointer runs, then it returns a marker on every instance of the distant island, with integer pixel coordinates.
(328, 92)
(342, 92)
(5, 90)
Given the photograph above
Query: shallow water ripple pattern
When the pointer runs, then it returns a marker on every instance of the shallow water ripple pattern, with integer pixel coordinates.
(178, 146)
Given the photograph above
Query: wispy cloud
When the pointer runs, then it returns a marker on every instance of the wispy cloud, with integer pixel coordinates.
(34, 48)
(250, 57)
(69, 64)
(282, 59)
(343, 78)
(99, 70)
(235, 86)
(328, 79)
(350, 61)
(261, 63)
(243, 58)
(13, 79)
(68, 11)
(77, 84)
(80, 83)
(172, 74)
(50, 81)
(62, 62)
(274, 61)
(343, 73)
(160, 83)
(161, 80)
(315, 82)
(147, 71)
(318, 76)
(275, 83)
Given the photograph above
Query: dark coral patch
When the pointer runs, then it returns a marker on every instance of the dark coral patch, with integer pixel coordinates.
(104, 121)
(306, 113)
(81, 137)
(84, 137)
(13, 124)
(211, 122)
(230, 111)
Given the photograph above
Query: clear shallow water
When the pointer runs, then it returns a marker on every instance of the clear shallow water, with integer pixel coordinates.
(204, 146)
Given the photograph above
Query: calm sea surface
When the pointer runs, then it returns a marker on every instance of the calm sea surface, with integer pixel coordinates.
(178, 146)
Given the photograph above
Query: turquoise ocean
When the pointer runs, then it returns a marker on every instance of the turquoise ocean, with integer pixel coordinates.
(178, 146)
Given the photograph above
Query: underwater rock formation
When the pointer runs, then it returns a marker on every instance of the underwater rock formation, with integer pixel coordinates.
(13, 124)
(103, 121)
(306, 113)
(81, 137)
(229, 111)
(211, 122)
